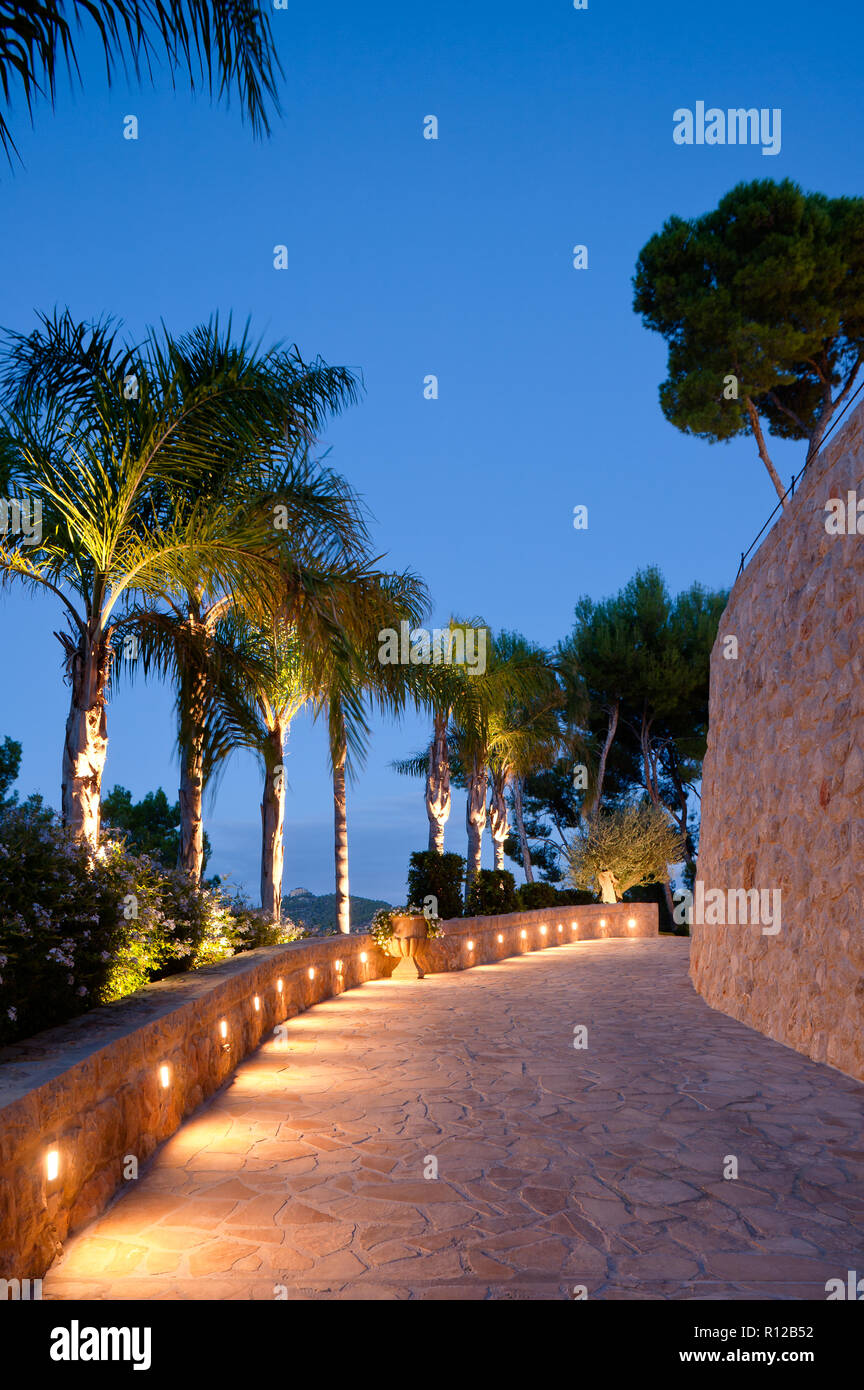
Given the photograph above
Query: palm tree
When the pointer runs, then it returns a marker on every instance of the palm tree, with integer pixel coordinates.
(525, 735)
(511, 676)
(102, 458)
(310, 519)
(469, 712)
(189, 639)
(353, 678)
(229, 46)
(263, 688)
(436, 688)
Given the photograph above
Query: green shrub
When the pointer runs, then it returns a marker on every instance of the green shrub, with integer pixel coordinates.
(61, 925)
(76, 933)
(492, 892)
(534, 895)
(438, 876)
(574, 897)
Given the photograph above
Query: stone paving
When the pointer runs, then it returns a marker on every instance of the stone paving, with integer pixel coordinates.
(558, 1167)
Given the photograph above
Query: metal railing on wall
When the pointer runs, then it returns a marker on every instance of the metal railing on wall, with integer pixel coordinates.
(796, 478)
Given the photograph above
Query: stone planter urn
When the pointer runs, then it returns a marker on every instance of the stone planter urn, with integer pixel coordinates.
(408, 935)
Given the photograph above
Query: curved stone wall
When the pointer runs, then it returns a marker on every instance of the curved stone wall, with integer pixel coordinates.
(783, 779)
(95, 1094)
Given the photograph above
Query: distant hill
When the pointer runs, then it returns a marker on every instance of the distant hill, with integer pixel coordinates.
(318, 912)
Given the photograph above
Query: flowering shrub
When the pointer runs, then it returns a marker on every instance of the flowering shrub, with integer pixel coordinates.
(60, 924)
(75, 933)
(252, 928)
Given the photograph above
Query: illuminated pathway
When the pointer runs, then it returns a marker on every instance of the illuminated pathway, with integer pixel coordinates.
(557, 1166)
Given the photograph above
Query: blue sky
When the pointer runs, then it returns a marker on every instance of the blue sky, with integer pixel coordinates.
(409, 257)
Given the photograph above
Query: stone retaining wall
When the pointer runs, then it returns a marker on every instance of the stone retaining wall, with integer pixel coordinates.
(783, 779)
(92, 1091)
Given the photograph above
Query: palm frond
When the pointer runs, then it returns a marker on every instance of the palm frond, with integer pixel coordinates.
(225, 45)
(416, 765)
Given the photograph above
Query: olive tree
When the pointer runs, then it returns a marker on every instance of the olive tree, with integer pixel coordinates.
(619, 849)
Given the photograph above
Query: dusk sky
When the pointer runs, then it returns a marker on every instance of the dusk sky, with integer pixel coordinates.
(409, 257)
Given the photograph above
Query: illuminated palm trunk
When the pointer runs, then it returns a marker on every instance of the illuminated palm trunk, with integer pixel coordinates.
(498, 822)
(191, 852)
(475, 819)
(438, 785)
(86, 742)
(273, 823)
(340, 826)
(520, 826)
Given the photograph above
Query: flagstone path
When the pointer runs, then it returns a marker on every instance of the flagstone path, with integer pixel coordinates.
(558, 1167)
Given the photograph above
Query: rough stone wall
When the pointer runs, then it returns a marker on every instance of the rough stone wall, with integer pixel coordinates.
(92, 1091)
(783, 780)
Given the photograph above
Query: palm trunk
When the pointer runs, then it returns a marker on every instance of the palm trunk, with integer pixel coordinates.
(475, 819)
(438, 785)
(191, 853)
(86, 742)
(340, 817)
(601, 770)
(273, 824)
(520, 826)
(190, 856)
(498, 822)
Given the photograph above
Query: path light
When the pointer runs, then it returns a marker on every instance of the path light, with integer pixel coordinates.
(257, 1002)
(52, 1164)
(560, 928)
(631, 922)
(363, 957)
(523, 934)
(311, 972)
(602, 921)
(280, 985)
(542, 931)
(223, 1028)
(164, 1077)
(500, 939)
(470, 945)
(574, 926)
(338, 965)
